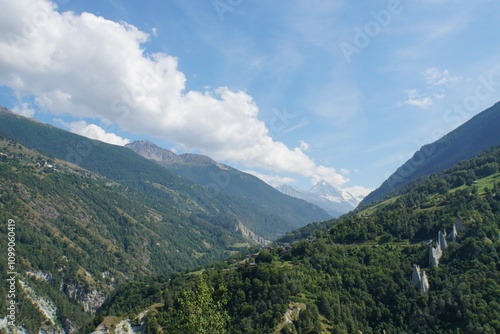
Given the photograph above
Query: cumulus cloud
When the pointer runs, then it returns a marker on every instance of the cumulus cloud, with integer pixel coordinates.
(273, 180)
(435, 77)
(414, 98)
(93, 131)
(87, 66)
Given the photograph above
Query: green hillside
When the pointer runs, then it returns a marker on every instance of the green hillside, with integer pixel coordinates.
(82, 232)
(354, 274)
(222, 179)
(246, 186)
(91, 216)
(473, 137)
(268, 220)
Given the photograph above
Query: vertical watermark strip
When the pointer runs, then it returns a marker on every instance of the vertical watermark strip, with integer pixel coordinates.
(11, 273)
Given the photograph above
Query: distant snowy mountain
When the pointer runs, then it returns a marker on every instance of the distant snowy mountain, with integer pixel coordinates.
(331, 193)
(326, 196)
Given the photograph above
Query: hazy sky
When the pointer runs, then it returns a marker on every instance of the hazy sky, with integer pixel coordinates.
(292, 91)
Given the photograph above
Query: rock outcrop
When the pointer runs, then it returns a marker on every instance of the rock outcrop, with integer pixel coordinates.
(419, 279)
(435, 253)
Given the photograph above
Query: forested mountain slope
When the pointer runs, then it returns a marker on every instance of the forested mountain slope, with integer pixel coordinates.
(220, 178)
(354, 274)
(473, 137)
(267, 220)
(78, 234)
(91, 216)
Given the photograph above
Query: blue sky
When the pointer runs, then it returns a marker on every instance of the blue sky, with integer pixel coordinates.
(292, 91)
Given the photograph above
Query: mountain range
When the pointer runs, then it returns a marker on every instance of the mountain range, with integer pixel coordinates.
(151, 151)
(354, 274)
(204, 170)
(129, 238)
(257, 206)
(223, 179)
(91, 216)
(324, 195)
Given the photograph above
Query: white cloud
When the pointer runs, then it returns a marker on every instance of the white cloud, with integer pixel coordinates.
(439, 96)
(435, 77)
(322, 173)
(273, 180)
(87, 66)
(304, 146)
(93, 131)
(345, 171)
(23, 109)
(358, 191)
(414, 98)
(411, 93)
(438, 82)
(424, 102)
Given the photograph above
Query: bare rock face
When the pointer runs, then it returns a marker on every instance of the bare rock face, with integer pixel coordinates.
(424, 284)
(151, 151)
(435, 253)
(419, 279)
(416, 276)
(89, 300)
(247, 233)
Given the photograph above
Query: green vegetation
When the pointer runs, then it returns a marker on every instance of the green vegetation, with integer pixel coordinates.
(199, 312)
(91, 216)
(354, 273)
(148, 240)
(266, 200)
(84, 233)
(210, 202)
(470, 139)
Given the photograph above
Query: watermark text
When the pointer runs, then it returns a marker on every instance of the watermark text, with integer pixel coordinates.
(11, 273)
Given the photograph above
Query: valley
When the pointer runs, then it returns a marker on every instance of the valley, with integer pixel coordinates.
(249, 167)
(354, 273)
(121, 241)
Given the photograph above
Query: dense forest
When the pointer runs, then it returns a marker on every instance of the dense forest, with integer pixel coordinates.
(78, 234)
(351, 274)
(92, 215)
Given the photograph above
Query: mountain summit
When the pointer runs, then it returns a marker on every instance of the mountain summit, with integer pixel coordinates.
(150, 150)
(326, 190)
(324, 195)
